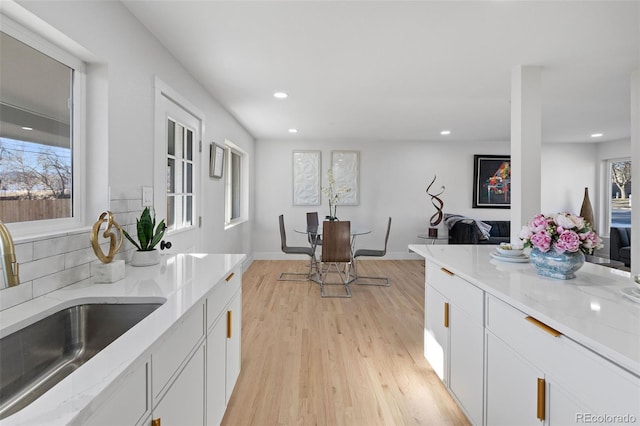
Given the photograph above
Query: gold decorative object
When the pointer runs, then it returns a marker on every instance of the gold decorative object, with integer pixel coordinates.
(115, 241)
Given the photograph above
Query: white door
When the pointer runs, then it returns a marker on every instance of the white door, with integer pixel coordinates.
(177, 173)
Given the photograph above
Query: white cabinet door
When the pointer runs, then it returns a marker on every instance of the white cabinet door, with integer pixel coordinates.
(511, 386)
(436, 335)
(466, 362)
(216, 372)
(183, 404)
(128, 403)
(562, 407)
(233, 346)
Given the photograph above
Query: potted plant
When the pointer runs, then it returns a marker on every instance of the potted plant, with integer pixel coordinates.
(149, 235)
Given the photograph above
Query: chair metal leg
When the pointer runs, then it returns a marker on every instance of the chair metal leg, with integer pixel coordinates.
(344, 281)
(313, 264)
(377, 281)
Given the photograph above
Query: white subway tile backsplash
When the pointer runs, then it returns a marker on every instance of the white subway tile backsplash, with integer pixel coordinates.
(13, 296)
(60, 279)
(79, 241)
(78, 257)
(50, 246)
(52, 261)
(24, 252)
(42, 267)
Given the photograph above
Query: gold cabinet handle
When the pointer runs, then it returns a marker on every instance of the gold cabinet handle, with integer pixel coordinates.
(446, 271)
(229, 323)
(155, 422)
(543, 326)
(446, 314)
(229, 277)
(541, 399)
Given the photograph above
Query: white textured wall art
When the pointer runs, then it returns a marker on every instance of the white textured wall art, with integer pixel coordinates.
(306, 178)
(346, 171)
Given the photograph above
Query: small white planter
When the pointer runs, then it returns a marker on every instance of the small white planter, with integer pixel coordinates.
(145, 258)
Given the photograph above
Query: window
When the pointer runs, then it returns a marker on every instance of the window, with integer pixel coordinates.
(236, 189)
(620, 205)
(180, 176)
(40, 141)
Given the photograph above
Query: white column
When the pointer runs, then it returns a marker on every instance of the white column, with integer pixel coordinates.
(526, 145)
(635, 171)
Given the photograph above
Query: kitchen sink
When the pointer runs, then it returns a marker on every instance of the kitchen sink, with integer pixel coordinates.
(35, 358)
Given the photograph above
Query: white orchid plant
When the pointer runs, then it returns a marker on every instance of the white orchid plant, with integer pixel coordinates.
(333, 193)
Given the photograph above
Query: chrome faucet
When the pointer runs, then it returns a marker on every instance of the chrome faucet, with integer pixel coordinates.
(10, 268)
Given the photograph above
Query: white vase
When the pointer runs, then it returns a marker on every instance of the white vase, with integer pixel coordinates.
(145, 258)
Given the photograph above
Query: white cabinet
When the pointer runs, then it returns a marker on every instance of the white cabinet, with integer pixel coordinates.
(454, 337)
(128, 401)
(216, 372)
(512, 386)
(185, 378)
(522, 351)
(183, 403)
(233, 344)
(224, 319)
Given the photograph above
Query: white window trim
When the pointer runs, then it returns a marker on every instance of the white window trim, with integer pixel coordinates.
(244, 192)
(164, 91)
(606, 222)
(30, 229)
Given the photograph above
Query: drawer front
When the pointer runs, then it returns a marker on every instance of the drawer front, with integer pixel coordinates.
(596, 382)
(127, 403)
(171, 352)
(464, 295)
(221, 295)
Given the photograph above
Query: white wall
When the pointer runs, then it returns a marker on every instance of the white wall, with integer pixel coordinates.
(393, 179)
(566, 170)
(133, 58)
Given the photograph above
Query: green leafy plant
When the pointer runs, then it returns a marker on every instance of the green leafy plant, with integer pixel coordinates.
(146, 235)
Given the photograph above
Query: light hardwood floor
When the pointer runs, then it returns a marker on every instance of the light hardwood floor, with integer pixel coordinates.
(359, 361)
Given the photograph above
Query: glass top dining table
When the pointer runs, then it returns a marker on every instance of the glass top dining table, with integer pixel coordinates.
(355, 230)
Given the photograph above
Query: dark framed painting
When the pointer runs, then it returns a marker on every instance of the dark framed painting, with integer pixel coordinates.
(492, 181)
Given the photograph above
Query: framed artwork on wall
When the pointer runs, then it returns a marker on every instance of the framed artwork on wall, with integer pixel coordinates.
(346, 172)
(216, 160)
(306, 178)
(492, 181)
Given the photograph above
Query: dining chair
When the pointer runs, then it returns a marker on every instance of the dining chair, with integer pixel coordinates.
(295, 250)
(336, 250)
(379, 281)
(312, 228)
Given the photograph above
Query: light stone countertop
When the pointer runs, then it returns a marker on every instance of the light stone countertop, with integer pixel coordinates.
(180, 281)
(589, 309)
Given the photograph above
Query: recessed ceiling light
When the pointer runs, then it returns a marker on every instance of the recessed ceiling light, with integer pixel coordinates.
(280, 95)
(27, 128)
(293, 130)
(445, 132)
(596, 135)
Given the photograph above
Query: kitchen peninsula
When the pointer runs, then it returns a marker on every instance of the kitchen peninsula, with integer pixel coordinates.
(513, 347)
(180, 363)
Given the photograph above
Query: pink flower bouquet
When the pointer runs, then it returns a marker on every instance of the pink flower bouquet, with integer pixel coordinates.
(562, 232)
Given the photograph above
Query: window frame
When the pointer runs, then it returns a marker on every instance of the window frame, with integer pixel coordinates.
(230, 149)
(608, 192)
(78, 139)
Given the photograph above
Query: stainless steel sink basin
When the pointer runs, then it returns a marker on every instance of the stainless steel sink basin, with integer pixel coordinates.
(34, 359)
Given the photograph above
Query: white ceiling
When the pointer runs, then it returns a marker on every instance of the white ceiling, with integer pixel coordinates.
(395, 70)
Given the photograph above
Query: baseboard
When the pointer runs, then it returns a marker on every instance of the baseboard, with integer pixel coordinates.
(391, 255)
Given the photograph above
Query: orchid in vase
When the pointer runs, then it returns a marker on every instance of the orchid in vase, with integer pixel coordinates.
(333, 194)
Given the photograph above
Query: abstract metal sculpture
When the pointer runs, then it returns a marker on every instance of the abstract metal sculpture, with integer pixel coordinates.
(436, 218)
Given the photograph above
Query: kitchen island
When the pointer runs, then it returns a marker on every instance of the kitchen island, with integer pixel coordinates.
(156, 368)
(513, 347)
